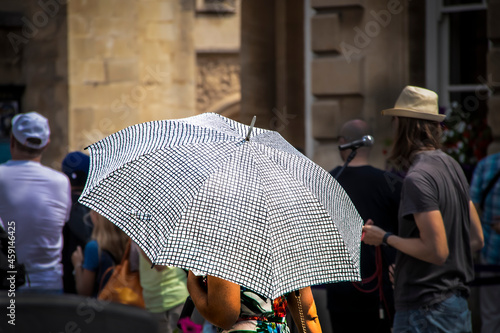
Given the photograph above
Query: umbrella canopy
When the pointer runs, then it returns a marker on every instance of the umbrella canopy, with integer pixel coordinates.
(196, 194)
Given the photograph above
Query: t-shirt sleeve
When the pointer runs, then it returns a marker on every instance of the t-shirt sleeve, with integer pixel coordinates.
(68, 198)
(91, 256)
(419, 195)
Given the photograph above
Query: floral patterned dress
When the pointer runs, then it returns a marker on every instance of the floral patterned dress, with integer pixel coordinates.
(260, 314)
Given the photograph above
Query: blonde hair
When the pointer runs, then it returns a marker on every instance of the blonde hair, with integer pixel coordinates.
(109, 237)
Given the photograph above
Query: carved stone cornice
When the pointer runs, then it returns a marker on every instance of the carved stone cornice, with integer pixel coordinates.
(218, 80)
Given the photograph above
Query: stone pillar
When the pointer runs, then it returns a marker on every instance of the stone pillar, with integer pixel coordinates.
(493, 74)
(258, 61)
(272, 66)
(43, 49)
(288, 116)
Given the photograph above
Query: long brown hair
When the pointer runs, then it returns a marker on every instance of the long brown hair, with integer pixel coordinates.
(109, 237)
(413, 135)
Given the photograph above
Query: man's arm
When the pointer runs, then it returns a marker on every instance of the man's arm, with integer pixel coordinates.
(431, 246)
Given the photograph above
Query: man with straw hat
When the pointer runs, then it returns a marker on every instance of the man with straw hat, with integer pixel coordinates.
(438, 225)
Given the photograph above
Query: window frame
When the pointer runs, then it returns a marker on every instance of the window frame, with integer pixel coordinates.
(437, 54)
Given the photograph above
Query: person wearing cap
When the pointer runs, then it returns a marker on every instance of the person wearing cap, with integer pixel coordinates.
(439, 228)
(36, 200)
(78, 229)
(375, 193)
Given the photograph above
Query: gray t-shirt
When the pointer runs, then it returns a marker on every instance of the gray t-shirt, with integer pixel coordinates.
(435, 181)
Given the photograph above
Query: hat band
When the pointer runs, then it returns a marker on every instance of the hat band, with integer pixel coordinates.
(411, 113)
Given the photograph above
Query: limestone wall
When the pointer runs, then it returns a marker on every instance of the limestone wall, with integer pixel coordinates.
(217, 47)
(358, 65)
(130, 61)
(217, 28)
(272, 67)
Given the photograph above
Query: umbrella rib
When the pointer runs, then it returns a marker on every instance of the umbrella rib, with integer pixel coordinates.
(264, 157)
(286, 171)
(146, 154)
(305, 186)
(219, 166)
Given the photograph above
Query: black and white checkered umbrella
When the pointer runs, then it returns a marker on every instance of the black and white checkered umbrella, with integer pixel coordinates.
(194, 193)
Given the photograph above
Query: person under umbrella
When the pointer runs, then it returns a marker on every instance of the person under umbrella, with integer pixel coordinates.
(235, 308)
(104, 250)
(228, 201)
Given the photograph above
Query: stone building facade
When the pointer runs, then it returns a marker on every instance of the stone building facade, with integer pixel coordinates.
(34, 69)
(129, 62)
(302, 66)
(94, 67)
(355, 58)
(357, 66)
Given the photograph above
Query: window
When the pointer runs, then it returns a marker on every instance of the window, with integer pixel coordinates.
(456, 48)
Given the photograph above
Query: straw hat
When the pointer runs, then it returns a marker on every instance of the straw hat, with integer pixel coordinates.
(416, 102)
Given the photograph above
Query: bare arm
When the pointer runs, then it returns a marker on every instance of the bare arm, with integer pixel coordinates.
(476, 230)
(431, 246)
(219, 303)
(308, 309)
(84, 278)
(84, 281)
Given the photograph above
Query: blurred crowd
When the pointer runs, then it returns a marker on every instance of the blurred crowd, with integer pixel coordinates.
(423, 233)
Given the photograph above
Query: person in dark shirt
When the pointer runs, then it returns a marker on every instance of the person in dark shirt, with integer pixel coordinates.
(368, 306)
(439, 228)
(77, 230)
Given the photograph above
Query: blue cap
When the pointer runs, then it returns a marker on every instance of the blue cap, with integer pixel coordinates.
(76, 166)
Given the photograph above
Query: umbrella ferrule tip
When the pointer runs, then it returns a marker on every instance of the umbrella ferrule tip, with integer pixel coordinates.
(247, 138)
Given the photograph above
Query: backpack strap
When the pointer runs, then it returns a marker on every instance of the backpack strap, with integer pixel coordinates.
(488, 189)
(107, 264)
(103, 277)
(126, 253)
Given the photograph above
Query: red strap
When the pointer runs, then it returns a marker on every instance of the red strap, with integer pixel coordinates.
(378, 274)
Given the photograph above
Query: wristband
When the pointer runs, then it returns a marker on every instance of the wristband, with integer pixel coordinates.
(387, 235)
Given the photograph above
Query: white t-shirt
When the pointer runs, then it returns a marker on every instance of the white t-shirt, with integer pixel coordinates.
(38, 200)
